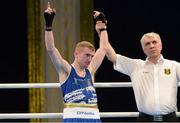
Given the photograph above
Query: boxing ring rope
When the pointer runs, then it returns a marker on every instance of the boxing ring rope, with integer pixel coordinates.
(59, 115)
(57, 85)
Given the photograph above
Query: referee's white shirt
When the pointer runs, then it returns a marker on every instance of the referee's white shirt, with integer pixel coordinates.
(155, 85)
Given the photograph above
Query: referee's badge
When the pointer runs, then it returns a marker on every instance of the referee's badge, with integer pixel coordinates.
(167, 71)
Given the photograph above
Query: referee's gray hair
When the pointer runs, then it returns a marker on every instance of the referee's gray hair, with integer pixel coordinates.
(151, 35)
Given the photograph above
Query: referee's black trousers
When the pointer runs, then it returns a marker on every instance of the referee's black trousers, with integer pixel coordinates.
(171, 117)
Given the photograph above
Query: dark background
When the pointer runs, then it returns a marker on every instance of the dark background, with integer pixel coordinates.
(13, 56)
(127, 21)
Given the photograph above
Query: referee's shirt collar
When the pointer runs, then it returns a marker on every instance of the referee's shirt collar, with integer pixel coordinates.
(160, 60)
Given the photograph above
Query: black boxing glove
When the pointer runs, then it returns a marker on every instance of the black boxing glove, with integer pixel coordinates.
(49, 20)
(99, 16)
